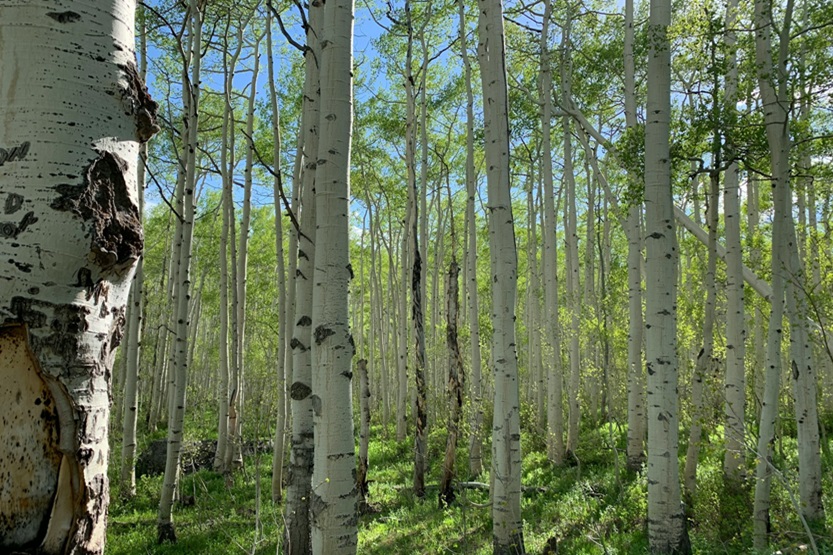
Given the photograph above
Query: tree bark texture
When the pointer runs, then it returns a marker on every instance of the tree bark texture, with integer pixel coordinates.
(507, 524)
(666, 518)
(71, 235)
(333, 499)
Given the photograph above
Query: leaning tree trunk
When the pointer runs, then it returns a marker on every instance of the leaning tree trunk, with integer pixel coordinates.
(666, 518)
(333, 510)
(71, 235)
(507, 525)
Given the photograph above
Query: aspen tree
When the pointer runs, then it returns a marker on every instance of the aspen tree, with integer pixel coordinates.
(667, 531)
(280, 271)
(333, 510)
(229, 64)
(475, 441)
(297, 512)
(506, 434)
(555, 414)
(571, 232)
(735, 384)
(787, 278)
(134, 325)
(71, 122)
(185, 228)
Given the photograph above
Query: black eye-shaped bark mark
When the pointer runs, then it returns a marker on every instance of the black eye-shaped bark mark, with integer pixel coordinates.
(64, 17)
(13, 203)
(10, 230)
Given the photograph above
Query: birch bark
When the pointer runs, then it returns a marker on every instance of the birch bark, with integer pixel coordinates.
(185, 228)
(735, 385)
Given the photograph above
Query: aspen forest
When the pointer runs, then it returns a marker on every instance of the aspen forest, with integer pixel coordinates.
(325, 277)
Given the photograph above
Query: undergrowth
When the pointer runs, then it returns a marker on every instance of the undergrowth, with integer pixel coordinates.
(588, 506)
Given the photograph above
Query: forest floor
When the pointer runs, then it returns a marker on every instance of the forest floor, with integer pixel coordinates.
(592, 506)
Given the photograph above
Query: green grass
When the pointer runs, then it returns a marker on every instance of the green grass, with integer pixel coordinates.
(588, 507)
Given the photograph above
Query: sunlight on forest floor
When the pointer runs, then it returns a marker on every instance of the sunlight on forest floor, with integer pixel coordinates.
(584, 506)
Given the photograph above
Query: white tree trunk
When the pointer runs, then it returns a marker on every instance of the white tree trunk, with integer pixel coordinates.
(280, 274)
(571, 232)
(476, 441)
(636, 377)
(506, 437)
(71, 234)
(133, 352)
(735, 384)
(185, 228)
(666, 518)
(555, 414)
(787, 276)
(297, 539)
(333, 497)
(704, 363)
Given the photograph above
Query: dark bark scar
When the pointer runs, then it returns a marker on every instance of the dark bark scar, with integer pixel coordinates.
(139, 104)
(113, 220)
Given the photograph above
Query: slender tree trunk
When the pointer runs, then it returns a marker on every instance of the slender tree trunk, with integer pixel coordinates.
(571, 232)
(135, 323)
(455, 385)
(506, 437)
(280, 274)
(555, 414)
(364, 435)
(667, 531)
(704, 363)
(735, 385)
(417, 273)
(297, 514)
(788, 274)
(475, 440)
(185, 227)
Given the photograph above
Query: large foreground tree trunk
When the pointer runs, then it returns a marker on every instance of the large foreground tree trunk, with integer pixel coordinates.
(666, 517)
(507, 524)
(71, 120)
(333, 511)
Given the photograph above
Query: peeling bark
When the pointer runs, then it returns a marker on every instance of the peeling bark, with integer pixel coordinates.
(71, 233)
